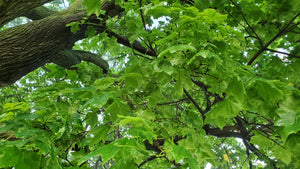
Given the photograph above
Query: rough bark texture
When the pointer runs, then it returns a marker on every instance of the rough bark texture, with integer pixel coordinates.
(38, 13)
(10, 9)
(26, 47)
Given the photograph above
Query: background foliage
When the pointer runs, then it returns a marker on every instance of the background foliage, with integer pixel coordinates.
(221, 87)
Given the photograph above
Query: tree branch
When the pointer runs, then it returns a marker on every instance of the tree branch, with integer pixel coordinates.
(135, 45)
(38, 13)
(204, 88)
(147, 160)
(12, 9)
(244, 17)
(172, 102)
(225, 132)
(260, 155)
(280, 33)
(194, 103)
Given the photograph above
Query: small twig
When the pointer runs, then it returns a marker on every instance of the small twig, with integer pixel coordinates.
(172, 102)
(204, 88)
(137, 54)
(145, 28)
(117, 132)
(260, 155)
(276, 51)
(274, 141)
(280, 33)
(148, 159)
(241, 25)
(269, 120)
(135, 45)
(292, 27)
(73, 141)
(66, 160)
(171, 119)
(194, 102)
(248, 154)
(244, 17)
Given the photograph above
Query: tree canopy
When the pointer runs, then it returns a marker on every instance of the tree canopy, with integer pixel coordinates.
(150, 84)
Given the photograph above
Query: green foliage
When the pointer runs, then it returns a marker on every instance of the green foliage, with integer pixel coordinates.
(183, 107)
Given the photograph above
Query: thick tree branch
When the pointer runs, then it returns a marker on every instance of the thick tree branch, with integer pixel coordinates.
(38, 13)
(68, 58)
(11, 9)
(27, 47)
(227, 131)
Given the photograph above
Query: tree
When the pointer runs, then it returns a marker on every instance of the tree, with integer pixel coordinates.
(173, 84)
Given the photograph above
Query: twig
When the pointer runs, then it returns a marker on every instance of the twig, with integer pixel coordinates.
(148, 159)
(260, 155)
(281, 32)
(248, 154)
(172, 102)
(244, 17)
(73, 141)
(144, 24)
(204, 88)
(194, 102)
(141, 55)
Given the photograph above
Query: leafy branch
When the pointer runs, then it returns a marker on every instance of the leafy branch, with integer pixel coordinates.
(284, 30)
(194, 102)
(244, 18)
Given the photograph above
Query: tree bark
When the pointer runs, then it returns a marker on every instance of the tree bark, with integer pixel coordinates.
(10, 9)
(26, 47)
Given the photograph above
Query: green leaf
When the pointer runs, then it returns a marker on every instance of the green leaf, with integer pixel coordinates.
(15, 106)
(222, 111)
(236, 89)
(180, 153)
(98, 101)
(74, 26)
(28, 160)
(177, 48)
(93, 7)
(99, 133)
(107, 152)
(133, 80)
(267, 90)
(156, 10)
(92, 118)
(9, 156)
(288, 115)
(142, 132)
(283, 154)
(6, 116)
(202, 4)
(134, 121)
(206, 54)
(260, 140)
